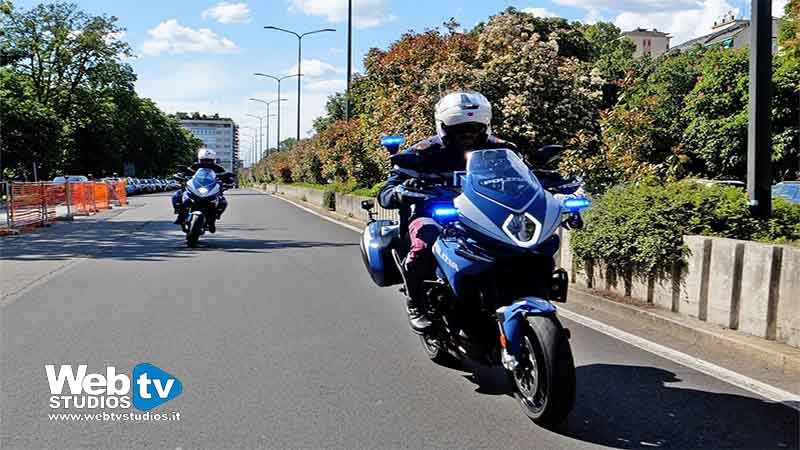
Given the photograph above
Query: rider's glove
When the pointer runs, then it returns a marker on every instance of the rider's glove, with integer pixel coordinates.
(405, 196)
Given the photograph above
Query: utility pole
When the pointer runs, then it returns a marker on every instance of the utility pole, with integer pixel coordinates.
(759, 133)
(299, 68)
(349, 56)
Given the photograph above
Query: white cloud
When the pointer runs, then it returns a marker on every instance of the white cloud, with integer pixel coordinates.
(339, 51)
(778, 6)
(366, 13)
(171, 37)
(328, 86)
(228, 13)
(683, 24)
(642, 6)
(314, 68)
(186, 81)
(540, 12)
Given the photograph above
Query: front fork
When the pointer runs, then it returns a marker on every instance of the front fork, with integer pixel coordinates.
(512, 321)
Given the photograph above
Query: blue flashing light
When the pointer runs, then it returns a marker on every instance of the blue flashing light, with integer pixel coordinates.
(576, 204)
(392, 141)
(445, 213)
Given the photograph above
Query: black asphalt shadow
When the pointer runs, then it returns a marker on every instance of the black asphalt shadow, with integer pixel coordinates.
(636, 407)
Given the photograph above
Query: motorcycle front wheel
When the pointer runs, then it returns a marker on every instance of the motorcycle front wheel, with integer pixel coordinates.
(195, 230)
(545, 378)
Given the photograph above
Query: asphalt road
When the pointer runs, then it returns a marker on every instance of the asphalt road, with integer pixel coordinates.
(281, 340)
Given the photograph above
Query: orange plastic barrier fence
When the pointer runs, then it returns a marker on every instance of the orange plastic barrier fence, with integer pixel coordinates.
(26, 208)
(120, 195)
(81, 198)
(101, 195)
(36, 204)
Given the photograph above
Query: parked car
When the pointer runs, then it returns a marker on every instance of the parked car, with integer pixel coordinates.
(70, 178)
(787, 190)
(130, 186)
(734, 183)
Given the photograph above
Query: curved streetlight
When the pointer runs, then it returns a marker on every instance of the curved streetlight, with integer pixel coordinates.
(252, 144)
(299, 63)
(260, 128)
(298, 75)
(268, 113)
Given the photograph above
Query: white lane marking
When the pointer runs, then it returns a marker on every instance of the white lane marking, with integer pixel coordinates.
(741, 381)
(736, 379)
(322, 216)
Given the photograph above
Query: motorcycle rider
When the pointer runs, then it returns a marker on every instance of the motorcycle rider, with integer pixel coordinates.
(463, 124)
(206, 159)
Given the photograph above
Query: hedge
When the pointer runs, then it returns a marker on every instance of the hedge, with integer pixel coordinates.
(640, 227)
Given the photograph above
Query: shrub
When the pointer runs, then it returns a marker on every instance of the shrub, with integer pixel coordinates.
(640, 227)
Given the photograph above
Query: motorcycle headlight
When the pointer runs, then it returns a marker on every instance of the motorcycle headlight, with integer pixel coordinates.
(523, 229)
(203, 190)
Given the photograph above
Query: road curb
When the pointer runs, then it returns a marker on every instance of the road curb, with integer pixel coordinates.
(704, 335)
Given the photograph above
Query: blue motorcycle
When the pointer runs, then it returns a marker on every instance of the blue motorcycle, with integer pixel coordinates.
(492, 297)
(201, 196)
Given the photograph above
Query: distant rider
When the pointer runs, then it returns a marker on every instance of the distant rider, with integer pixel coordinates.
(206, 159)
(463, 125)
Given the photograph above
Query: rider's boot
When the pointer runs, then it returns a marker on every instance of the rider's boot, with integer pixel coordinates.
(417, 318)
(183, 214)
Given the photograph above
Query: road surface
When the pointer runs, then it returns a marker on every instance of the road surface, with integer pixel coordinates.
(281, 340)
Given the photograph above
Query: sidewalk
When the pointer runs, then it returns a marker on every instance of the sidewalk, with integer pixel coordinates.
(769, 361)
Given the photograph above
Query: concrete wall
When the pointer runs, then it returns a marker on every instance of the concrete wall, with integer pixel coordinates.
(742, 285)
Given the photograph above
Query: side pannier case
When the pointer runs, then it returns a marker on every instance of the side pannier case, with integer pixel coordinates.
(376, 245)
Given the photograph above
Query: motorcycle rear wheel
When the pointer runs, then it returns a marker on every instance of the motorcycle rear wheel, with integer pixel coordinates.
(545, 381)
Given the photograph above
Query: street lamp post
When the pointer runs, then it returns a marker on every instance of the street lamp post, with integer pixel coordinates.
(268, 103)
(759, 131)
(279, 96)
(269, 116)
(299, 63)
(252, 145)
(260, 127)
(347, 111)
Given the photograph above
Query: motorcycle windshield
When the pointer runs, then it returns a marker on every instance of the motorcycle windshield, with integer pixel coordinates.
(502, 176)
(204, 178)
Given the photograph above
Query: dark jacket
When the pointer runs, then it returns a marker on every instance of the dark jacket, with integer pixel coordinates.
(436, 156)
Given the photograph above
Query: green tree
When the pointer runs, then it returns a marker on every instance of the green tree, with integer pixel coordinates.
(70, 105)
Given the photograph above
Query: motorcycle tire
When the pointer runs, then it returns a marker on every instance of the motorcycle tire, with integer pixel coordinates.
(545, 383)
(195, 230)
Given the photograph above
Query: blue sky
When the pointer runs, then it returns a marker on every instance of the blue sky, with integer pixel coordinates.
(199, 55)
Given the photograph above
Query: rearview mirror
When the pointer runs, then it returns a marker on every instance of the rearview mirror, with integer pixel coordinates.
(367, 204)
(546, 155)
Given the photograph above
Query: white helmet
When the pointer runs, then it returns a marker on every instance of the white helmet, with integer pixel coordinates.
(206, 153)
(462, 107)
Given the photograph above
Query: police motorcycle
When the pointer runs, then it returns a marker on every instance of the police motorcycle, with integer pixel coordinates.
(496, 280)
(201, 195)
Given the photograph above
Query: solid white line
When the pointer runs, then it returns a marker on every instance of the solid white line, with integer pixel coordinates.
(736, 379)
(741, 381)
(322, 216)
